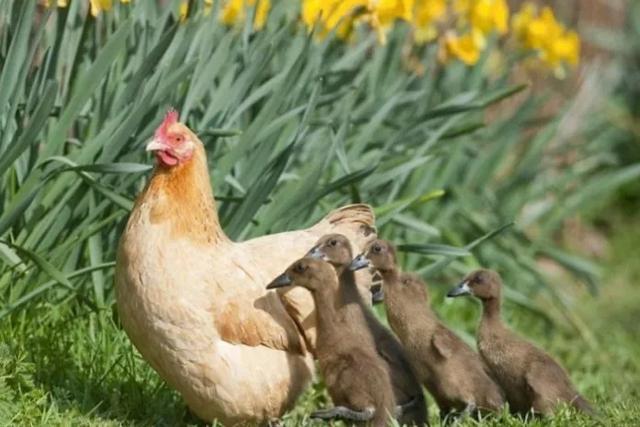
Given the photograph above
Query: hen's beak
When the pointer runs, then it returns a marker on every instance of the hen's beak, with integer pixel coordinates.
(316, 253)
(155, 145)
(377, 294)
(460, 290)
(280, 281)
(359, 262)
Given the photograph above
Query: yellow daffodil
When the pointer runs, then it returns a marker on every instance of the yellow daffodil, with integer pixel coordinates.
(426, 14)
(231, 11)
(234, 11)
(382, 14)
(387, 11)
(333, 14)
(485, 15)
(183, 10)
(565, 48)
(542, 29)
(466, 48)
(522, 19)
(544, 34)
(462, 7)
(208, 7)
(98, 6)
(59, 3)
(262, 12)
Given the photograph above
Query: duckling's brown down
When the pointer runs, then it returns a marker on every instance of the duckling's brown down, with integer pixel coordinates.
(355, 377)
(452, 372)
(336, 249)
(531, 379)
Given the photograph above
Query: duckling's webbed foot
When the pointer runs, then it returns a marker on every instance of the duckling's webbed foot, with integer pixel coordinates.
(344, 413)
(454, 417)
(470, 409)
(401, 409)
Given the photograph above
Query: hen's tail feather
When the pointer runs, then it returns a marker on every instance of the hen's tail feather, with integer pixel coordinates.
(356, 221)
(359, 212)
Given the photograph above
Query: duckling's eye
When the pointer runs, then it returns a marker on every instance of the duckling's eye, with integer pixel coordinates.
(300, 267)
(333, 242)
(377, 249)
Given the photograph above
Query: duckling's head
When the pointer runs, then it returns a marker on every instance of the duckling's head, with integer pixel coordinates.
(333, 248)
(482, 284)
(380, 254)
(307, 272)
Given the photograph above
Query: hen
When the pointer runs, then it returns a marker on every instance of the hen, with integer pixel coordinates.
(194, 303)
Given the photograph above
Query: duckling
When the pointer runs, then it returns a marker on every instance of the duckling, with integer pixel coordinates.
(452, 372)
(336, 249)
(531, 379)
(356, 379)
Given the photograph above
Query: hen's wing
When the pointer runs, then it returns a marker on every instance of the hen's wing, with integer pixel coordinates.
(275, 252)
(266, 323)
(244, 311)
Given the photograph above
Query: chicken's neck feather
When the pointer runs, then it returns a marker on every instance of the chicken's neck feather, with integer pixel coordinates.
(182, 196)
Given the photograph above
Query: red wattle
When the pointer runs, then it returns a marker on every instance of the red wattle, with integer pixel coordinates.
(166, 159)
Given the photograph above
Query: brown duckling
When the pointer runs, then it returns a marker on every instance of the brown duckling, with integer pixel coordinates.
(336, 249)
(356, 378)
(530, 378)
(452, 372)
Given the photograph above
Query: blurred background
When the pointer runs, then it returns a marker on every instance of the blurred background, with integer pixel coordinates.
(484, 132)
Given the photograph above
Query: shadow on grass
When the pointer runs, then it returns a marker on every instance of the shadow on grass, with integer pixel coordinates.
(83, 363)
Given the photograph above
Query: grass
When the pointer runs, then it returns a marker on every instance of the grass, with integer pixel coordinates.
(66, 365)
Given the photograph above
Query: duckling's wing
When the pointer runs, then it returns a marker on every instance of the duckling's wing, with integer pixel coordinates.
(548, 383)
(444, 342)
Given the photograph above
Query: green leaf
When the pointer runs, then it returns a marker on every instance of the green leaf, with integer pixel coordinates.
(89, 82)
(43, 264)
(437, 266)
(434, 249)
(111, 168)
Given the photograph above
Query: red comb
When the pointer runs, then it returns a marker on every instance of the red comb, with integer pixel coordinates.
(170, 118)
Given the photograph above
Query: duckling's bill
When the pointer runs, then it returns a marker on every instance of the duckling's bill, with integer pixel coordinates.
(359, 262)
(461, 290)
(280, 281)
(317, 253)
